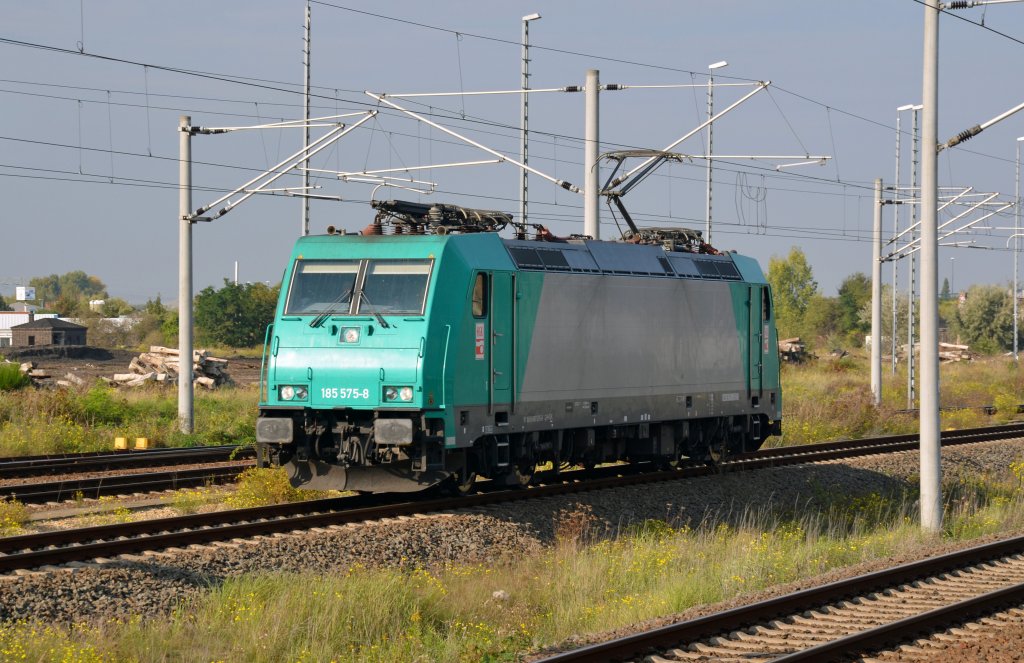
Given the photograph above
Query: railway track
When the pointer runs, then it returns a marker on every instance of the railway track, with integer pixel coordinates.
(178, 471)
(36, 550)
(844, 620)
(102, 461)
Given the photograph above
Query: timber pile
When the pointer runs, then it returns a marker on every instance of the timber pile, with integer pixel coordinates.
(953, 352)
(792, 350)
(162, 365)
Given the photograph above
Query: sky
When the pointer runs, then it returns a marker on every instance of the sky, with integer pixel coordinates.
(91, 92)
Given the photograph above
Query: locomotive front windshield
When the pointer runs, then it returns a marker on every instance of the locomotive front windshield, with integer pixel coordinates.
(368, 286)
(394, 286)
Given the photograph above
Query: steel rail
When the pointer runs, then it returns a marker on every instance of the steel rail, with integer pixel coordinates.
(738, 618)
(32, 466)
(122, 484)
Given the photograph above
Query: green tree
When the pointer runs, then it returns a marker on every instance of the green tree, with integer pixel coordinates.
(854, 293)
(944, 295)
(68, 294)
(985, 319)
(4, 306)
(115, 307)
(235, 315)
(793, 287)
(822, 319)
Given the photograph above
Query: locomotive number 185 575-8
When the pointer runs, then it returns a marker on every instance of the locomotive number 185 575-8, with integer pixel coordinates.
(344, 392)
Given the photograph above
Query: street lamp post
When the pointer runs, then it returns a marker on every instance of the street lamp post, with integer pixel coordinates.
(952, 275)
(524, 118)
(711, 129)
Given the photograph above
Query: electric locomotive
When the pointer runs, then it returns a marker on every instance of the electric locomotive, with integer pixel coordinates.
(428, 349)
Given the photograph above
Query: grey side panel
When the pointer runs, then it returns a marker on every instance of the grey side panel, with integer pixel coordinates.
(605, 336)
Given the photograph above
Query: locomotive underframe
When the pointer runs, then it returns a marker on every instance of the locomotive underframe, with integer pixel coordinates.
(404, 451)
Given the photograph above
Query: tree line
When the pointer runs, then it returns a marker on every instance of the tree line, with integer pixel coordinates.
(237, 315)
(983, 320)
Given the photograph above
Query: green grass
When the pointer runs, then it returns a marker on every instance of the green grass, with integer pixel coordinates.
(67, 420)
(496, 611)
(826, 400)
(11, 377)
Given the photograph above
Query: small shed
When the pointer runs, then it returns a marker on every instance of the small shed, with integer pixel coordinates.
(48, 331)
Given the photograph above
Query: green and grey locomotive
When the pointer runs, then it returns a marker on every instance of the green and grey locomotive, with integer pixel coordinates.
(430, 349)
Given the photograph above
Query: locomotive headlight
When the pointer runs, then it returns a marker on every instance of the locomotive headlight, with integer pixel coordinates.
(290, 392)
(350, 335)
(393, 394)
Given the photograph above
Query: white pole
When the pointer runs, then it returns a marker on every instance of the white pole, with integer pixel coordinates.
(876, 299)
(524, 120)
(236, 272)
(591, 209)
(185, 394)
(931, 452)
(306, 62)
(711, 131)
(1016, 238)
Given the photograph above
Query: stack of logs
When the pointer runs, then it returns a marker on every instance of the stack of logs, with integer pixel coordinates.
(161, 365)
(953, 352)
(792, 350)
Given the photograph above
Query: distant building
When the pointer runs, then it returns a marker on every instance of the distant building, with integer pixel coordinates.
(48, 331)
(10, 319)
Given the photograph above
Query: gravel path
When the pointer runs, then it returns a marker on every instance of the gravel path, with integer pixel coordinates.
(154, 584)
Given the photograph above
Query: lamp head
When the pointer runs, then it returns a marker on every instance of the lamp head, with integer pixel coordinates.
(718, 65)
(531, 17)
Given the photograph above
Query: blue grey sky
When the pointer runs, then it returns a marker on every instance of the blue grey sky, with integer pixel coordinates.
(89, 146)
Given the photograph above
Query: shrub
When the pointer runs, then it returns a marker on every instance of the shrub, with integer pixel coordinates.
(12, 378)
(13, 516)
(260, 486)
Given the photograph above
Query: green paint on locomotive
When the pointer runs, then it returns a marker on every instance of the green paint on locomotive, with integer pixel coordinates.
(451, 360)
(435, 352)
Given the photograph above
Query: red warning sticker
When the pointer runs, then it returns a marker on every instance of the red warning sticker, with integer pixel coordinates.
(480, 340)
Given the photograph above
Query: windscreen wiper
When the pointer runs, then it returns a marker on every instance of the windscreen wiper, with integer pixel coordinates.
(332, 307)
(373, 310)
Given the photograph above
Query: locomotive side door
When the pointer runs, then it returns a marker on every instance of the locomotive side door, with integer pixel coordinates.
(757, 338)
(502, 340)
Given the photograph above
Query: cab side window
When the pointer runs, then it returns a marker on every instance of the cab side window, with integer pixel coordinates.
(766, 304)
(480, 296)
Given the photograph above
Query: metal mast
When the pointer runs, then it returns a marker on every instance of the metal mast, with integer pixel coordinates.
(1016, 239)
(591, 210)
(876, 299)
(304, 229)
(912, 285)
(895, 232)
(711, 131)
(185, 411)
(524, 120)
